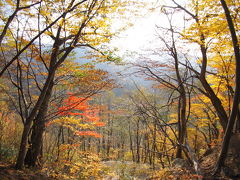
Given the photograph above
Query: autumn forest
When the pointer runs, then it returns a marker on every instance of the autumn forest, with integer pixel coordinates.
(75, 104)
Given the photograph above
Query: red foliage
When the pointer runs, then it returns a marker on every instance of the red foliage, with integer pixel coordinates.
(73, 103)
(88, 133)
(100, 124)
(78, 106)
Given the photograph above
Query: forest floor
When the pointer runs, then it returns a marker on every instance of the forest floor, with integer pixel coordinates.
(7, 172)
(118, 170)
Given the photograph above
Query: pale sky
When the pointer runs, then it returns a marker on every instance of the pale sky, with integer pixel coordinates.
(142, 35)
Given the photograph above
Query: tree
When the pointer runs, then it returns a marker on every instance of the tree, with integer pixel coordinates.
(83, 79)
(77, 115)
(41, 32)
(175, 83)
(236, 97)
(200, 34)
(79, 35)
(18, 7)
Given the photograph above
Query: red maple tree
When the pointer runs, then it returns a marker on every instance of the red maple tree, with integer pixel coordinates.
(79, 107)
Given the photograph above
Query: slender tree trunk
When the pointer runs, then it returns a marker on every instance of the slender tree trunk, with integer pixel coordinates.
(89, 144)
(182, 104)
(104, 144)
(137, 143)
(131, 142)
(145, 149)
(236, 97)
(110, 130)
(179, 145)
(23, 145)
(154, 146)
(216, 102)
(60, 132)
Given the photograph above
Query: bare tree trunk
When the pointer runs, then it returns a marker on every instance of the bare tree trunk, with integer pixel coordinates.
(179, 145)
(36, 141)
(137, 143)
(23, 145)
(109, 130)
(131, 142)
(236, 97)
(216, 102)
(237, 130)
(182, 104)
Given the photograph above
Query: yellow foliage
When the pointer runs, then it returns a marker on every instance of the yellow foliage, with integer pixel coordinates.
(10, 2)
(83, 166)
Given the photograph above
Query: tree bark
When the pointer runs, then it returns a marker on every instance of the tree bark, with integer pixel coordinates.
(236, 97)
(216, 102)
(23, 145)
(29, 120)
(36, 141)
(36, 144)
(182, 104)
(131, 141)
